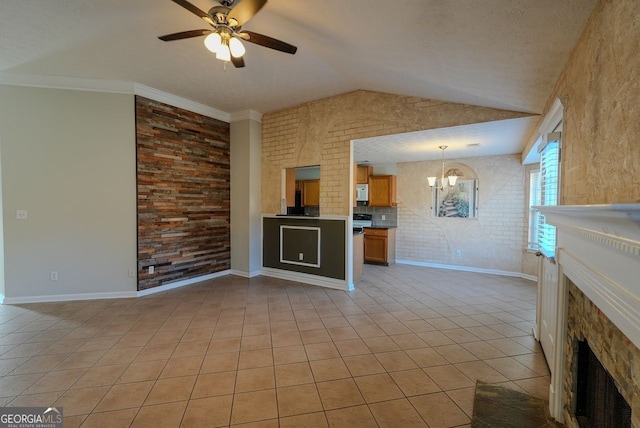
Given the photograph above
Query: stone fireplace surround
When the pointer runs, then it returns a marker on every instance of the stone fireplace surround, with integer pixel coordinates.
(598, 254)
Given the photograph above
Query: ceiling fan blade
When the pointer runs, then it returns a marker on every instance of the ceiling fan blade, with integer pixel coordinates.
(193, 9)
(237, 62)
(245, 10)
(269, 42)
(184, 35)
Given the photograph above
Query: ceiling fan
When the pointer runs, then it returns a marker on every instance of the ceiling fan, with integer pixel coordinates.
(227, 21)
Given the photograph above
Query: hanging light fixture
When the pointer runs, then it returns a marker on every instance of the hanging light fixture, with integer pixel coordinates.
(449, 181)
(213, 42)
(224, 45)
(236, 47)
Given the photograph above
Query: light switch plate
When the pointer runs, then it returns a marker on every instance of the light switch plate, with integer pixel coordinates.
(21, 214)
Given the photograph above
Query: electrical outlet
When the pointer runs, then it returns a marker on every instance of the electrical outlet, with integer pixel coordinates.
(21, 214)
(384, 217)
(132, 273)
(54, 276)
(152, 269)
(301, 256)
(458, 253)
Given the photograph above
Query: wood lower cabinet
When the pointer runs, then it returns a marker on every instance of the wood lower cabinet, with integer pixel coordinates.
(382, 191)
(379, 246)
(358, 256)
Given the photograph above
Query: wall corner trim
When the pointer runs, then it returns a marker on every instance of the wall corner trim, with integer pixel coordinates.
(237, 116)
(469, 269)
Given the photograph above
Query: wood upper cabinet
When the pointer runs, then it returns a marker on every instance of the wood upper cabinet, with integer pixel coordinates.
(382, 191)
(363, 174)
(311, 193)
(291, 186)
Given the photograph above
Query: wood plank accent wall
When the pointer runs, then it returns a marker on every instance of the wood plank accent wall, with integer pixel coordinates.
(183, 179)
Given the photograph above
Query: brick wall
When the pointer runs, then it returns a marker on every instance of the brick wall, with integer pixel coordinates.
(600, 165)
(599, 90)
(319, 133)
(612, 348)
(183, 180)
(493, 240)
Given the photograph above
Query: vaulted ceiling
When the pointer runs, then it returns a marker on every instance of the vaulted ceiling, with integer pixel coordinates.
(504, 54)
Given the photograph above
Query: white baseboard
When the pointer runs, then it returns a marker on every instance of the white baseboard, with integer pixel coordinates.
(245, 274)
(307, 278)
(469, 269)
(109, 295)
(178, 284)
(69, 297)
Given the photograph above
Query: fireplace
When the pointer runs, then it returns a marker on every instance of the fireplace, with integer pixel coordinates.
(598, 401)
(598, 256)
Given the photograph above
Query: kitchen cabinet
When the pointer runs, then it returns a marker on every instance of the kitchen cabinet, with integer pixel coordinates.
(363, 174)
(355, 181)
(382, 191)
(358, 256)
(380, 246)
(291, 186)
(311, 193)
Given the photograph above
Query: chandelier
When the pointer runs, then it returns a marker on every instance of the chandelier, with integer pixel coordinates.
(445, 182)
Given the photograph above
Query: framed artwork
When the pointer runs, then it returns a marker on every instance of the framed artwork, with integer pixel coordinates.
(458, 201)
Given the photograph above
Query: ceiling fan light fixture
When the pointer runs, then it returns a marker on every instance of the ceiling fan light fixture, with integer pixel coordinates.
(223, 53)
(236, 47)
(213, 42)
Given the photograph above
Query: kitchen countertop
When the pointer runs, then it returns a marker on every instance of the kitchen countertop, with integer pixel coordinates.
(381, 227)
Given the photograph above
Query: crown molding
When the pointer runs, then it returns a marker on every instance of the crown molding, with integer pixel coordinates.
(112, 86)
(64, 82)
(249, 114)
(176, 101)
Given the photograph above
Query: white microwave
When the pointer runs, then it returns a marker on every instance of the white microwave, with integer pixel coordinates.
(362, 192)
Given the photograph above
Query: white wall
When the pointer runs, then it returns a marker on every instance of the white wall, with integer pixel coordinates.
(246, 202)
(68, 158)
(1, 233)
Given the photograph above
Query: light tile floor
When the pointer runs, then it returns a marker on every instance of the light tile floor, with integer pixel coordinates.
(404, 349)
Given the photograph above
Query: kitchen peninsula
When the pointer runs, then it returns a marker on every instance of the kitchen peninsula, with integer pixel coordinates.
(307, 249)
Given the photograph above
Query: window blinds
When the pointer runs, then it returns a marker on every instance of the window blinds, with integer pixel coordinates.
(549, 178)
(534, 199)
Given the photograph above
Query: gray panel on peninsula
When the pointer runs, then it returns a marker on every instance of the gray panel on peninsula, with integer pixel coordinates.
(321, 241)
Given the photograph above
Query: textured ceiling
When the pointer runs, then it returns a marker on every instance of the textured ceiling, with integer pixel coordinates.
(481, 139)
(496, 53)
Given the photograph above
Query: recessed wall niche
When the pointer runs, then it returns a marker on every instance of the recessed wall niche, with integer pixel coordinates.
(459, 200)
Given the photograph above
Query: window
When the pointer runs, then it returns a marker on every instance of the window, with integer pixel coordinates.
(548, 190)
(534, 199)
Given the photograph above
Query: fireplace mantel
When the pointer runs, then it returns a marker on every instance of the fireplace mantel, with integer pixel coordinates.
(598, 249)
